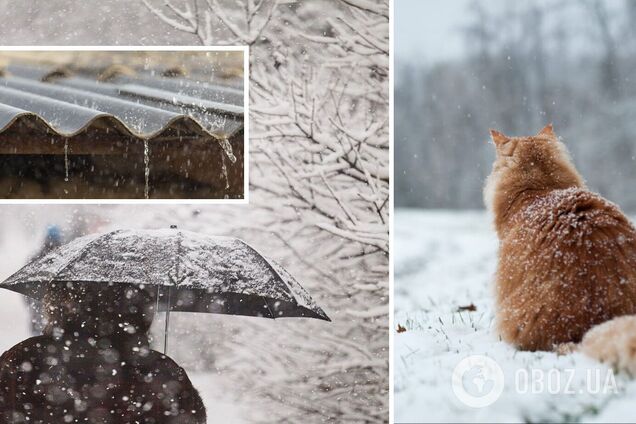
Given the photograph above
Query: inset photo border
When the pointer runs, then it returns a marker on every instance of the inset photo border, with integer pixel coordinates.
(124, 124)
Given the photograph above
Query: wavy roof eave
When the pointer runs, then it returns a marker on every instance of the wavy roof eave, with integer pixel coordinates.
(68, 110)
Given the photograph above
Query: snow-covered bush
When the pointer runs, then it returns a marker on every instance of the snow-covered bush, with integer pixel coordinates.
(319, 181)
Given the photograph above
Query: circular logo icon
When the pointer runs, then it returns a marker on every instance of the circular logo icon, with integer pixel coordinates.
(478, 381)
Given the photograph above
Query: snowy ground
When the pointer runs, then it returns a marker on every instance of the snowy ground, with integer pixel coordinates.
(446, 260)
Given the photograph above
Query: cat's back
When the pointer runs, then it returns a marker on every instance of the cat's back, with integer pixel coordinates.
(572, 220)
(567, 263)
(569, 239)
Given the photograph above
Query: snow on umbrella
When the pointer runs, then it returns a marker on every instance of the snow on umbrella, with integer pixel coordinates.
(192, 272)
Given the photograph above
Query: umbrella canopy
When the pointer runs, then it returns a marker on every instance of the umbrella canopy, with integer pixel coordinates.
(192, 272)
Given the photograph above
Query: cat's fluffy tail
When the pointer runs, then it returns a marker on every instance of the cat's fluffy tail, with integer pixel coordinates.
(613, 342)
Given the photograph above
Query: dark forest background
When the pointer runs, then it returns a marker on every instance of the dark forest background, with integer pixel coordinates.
(526, 64)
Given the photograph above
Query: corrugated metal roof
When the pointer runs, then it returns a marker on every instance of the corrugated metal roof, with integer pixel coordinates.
(142, 106)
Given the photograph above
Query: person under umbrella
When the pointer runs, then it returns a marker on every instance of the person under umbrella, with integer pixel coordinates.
(101, 291)
(94, 363)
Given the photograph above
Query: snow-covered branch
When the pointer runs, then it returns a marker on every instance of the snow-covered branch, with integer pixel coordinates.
(214, 21)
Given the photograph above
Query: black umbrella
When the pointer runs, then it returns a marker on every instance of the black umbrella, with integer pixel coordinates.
(192, 272)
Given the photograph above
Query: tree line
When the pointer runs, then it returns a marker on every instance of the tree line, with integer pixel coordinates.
(525, 64)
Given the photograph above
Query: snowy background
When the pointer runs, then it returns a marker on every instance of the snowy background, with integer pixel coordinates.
(240, 364)
(319, 197)
(514, 66)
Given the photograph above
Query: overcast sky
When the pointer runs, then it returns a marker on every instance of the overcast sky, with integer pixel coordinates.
(426, 30)
(430, 30)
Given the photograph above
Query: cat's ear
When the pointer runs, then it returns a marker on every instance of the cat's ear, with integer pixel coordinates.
(547, 131)
(498, 138)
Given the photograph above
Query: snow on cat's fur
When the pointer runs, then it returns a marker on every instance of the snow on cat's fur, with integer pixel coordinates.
(567, 257)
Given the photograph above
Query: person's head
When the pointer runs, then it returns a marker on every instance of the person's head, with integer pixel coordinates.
(98, 310)
(53, 236)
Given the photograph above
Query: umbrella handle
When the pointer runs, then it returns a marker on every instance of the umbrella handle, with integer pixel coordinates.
(165, 332)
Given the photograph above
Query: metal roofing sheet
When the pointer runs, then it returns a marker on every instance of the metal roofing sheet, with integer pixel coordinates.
(142, 107)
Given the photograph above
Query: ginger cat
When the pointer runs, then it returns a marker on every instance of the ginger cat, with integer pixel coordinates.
(567, 257)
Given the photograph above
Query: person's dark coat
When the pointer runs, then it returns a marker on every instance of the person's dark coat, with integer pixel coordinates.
(94, 365)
